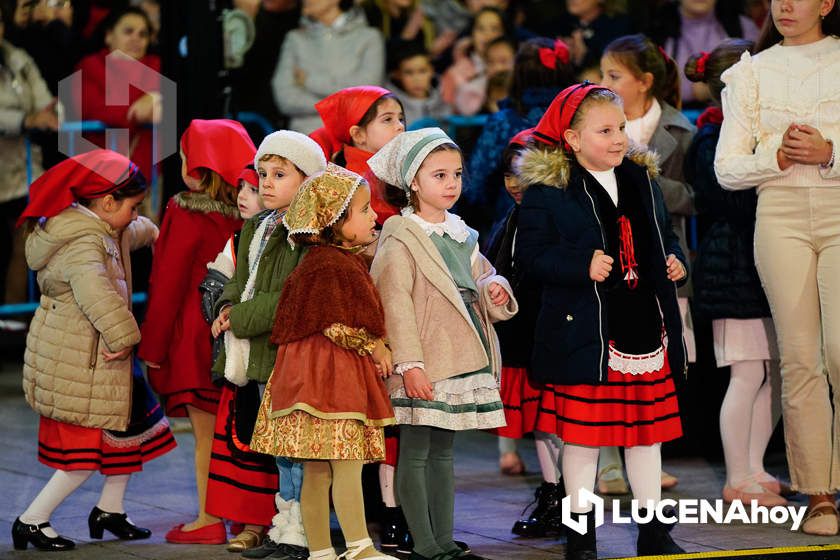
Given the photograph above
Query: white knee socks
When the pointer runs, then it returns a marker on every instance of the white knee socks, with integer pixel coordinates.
(61, 485)
(386, 485)
(580, 465)
(767, 409)
(113, 492)
(736, 420)
(644, 472)
(548, 452)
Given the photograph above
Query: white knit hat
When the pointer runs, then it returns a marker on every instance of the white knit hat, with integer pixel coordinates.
(397, 162)
(298, 148)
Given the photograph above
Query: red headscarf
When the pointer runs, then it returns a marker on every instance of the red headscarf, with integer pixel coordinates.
(221, 145)
(89, 175)
(558, 117)
(345, 108)
(521, 138)
(249, 175)
(328, 144)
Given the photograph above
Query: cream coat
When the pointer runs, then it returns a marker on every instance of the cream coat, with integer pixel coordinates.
(84, 309)
(425, 317)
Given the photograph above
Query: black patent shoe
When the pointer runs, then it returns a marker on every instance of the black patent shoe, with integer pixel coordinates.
(290, 552)
(116, 523)
(266, 549)
(24, 534)
(582, 547)
(654, 538)
(545, 517)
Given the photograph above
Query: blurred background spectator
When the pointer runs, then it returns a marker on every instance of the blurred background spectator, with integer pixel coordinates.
(587, 27)
(25, 104)
(411, 77)
(685, 27)
(333, 48)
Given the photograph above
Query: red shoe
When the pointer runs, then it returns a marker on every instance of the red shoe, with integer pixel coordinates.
(215, 533)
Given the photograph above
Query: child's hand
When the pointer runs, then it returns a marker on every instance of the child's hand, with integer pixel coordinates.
(675, 269)
(153, 365)
(498, 295)
(417, 385)
(600, 266)
(221, 323)
(300, 76)
(382, 358)
(121, 355)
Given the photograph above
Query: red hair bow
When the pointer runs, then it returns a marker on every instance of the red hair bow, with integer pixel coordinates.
(701, 63)
(549, 56)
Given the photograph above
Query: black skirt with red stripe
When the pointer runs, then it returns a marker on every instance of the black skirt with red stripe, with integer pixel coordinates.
(242, 483)
(637, 405)
(69, 447)
(521, 400)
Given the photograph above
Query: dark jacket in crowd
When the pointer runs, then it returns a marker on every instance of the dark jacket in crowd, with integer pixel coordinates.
(560, 227)
(485, 189)
(516, 335)
(726, 283)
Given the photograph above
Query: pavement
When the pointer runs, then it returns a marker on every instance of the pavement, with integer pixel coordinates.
(487, 503)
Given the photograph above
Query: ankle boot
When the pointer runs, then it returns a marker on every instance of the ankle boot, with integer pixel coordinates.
(395, 530)
(582, 547)
(539, 521)
(654, 538)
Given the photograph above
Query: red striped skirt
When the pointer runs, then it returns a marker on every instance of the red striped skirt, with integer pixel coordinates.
(242, 483)
(637, 405)
(522, 403)
(69, 447)
(176, 404)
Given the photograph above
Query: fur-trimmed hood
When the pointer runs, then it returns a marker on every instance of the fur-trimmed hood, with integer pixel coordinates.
(552, 166)
(202, 203)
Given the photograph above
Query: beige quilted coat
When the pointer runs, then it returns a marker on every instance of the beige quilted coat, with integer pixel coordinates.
(84, 309)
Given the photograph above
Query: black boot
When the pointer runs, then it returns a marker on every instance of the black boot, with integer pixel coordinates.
(582, 547)
(116, 523)
(395, 530)
(24, 534)
(654, 538)
(545, 517)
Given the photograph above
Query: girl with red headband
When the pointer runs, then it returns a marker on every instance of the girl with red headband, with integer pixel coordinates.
(97, 413)
(728, 293)
(648, 82)
(594, 233)
(357, 122)
(176, 340)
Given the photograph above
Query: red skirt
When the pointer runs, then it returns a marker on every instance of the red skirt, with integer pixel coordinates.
(636, 407)
(175, 404)
(242, 483)
(522, 403)
(69, 447)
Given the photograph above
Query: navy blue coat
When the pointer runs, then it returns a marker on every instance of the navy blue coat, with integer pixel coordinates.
(726, 283)
(559, 230)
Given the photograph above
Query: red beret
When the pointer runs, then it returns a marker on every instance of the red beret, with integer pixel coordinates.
(345, 108)
(558, 117)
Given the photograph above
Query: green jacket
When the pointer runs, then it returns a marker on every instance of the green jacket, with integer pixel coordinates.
(254, 319)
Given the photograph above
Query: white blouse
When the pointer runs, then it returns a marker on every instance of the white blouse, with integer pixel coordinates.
(765, 94)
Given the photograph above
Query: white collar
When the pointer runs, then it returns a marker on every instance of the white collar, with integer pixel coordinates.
(641, 130)
(453, 225)
(85, 210)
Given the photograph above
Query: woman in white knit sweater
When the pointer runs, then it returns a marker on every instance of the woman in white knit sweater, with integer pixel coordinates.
(781, 133)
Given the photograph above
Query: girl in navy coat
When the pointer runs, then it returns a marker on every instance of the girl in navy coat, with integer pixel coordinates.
(594, 232)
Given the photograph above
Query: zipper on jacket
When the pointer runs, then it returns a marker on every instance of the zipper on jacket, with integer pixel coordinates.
(665, 255)
(595, 285)
(93, 348)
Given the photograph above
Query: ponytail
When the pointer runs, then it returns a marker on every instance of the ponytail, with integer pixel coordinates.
(640, 55)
